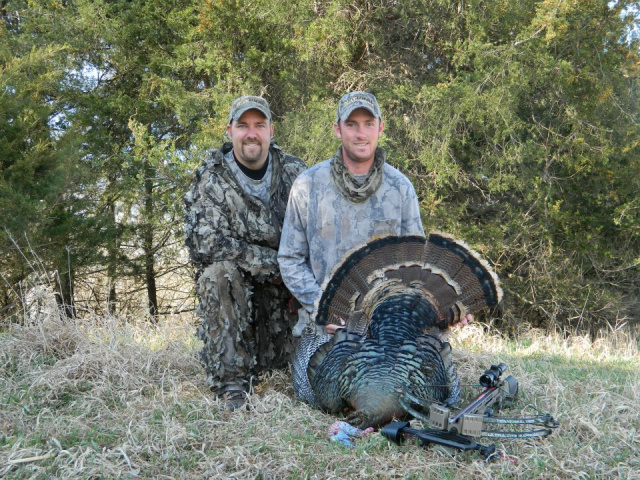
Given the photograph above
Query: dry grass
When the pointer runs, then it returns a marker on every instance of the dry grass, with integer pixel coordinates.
(109, 399)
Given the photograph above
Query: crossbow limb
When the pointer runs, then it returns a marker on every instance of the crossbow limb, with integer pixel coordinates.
(473, 420)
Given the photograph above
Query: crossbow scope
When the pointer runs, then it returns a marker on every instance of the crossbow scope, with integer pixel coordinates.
(491, 377)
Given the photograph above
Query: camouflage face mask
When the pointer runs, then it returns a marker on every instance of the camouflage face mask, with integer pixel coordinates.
(348, 186)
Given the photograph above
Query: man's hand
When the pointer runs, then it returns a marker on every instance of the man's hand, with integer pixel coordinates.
(468, 318)
(332, 328)
(293, 305)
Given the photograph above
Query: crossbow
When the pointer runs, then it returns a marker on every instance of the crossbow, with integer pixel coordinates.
(455, 428)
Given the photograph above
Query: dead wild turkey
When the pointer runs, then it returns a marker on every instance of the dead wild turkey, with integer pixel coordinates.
(397, 297)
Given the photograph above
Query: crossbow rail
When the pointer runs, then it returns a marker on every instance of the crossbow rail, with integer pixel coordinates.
(476, 419)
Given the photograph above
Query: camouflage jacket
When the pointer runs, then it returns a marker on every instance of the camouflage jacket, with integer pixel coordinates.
(223, 222)
(321, 226)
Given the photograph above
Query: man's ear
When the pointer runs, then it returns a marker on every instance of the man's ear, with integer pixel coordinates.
(336, 130)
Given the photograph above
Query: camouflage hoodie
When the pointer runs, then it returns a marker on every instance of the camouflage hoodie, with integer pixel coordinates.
(223, 222)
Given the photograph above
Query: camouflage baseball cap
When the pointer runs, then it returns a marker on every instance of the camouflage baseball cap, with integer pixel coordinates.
(351, 101)
(248, 102)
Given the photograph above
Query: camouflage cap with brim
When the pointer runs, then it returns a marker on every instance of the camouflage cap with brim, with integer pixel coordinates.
(354, 100)
(248, 102)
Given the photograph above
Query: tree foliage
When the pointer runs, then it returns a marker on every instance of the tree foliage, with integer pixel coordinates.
(516, 120)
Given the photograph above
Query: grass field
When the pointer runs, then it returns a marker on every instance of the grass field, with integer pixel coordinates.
(109, 399)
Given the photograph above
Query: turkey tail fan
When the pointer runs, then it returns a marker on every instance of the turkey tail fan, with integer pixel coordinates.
(479, 284)
(454, 278)
(360, 270)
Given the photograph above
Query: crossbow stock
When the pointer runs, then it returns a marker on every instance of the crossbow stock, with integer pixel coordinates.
(455, 428)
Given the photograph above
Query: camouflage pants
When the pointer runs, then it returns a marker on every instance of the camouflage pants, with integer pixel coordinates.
(246, 326)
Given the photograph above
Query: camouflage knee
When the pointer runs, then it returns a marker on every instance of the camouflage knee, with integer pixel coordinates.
(273, 325)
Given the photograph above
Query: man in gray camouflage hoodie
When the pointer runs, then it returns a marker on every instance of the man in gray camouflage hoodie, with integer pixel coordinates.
(235, 211)
(341, 203)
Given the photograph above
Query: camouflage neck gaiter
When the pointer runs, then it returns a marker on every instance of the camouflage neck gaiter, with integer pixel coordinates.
(348, 186)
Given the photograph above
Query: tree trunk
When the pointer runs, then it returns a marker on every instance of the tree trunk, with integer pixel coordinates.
(147, 237)
(65, 289)
(113, 259)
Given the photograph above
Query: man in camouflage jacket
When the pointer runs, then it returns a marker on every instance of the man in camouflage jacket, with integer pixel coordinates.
(343, 202)
(235, 211)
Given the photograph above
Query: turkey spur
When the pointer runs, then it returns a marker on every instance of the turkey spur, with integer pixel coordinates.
(396, 297)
